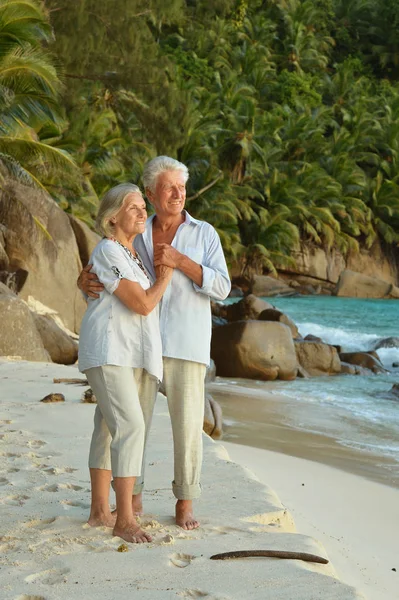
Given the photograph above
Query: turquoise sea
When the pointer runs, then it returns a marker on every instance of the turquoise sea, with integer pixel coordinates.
(357, 411)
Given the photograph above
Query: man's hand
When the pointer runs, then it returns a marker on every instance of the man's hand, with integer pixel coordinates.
(164, 254)
(89, 283)
(163, 272)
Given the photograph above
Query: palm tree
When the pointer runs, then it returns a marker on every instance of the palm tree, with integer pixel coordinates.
(29, 88)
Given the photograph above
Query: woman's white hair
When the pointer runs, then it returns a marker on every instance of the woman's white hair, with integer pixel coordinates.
(111, 204)
(159, 165)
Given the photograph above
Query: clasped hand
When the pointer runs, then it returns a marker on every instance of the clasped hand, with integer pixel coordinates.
(166, 255)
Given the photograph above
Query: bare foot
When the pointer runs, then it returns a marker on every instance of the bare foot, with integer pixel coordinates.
(184, 515)
(105, 519)
(132, 532)
(137, 505)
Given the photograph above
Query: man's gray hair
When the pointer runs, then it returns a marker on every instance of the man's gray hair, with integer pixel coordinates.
(111, 204)
(159, 165)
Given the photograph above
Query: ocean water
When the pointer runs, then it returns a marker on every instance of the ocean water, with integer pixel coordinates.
(357, 410)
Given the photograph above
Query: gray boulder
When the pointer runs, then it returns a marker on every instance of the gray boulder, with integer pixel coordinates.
(272, 314)
(254, 350)
(367, 360)
(318, 358)
(356, 285)
(18, 333)
(389, 342)
(263, 285)
(86, 239)
(248, 308)
(62, 348)
(42, 251)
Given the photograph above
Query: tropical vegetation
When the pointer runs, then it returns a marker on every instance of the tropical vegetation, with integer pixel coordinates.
(285, 111)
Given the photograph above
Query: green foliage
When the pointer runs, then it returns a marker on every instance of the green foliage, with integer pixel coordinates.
(286, 112)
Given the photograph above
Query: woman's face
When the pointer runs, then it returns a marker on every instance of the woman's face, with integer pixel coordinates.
(132, 216)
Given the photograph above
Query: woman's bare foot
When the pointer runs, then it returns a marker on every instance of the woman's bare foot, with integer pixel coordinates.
(184, 515)
(132, 532)
(100, 518)
(137, 505)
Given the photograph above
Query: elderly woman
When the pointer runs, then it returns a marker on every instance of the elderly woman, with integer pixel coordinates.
(120, 353)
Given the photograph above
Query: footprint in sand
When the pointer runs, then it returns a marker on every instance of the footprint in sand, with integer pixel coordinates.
(27, 597)
(4, 481)
(68, 503)
(36, 443)
(59, 470)
(181, 560)
(12, 470)
(49, 577)
(16, 500)
(40, 523)
(57, 487)
(200, 594)
(5, 422)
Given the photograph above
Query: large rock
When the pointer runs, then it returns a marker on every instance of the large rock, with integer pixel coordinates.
(318, 358)
(254, 350)
(62, 349)
(18, 333)
(368, 360)
(389, 342)
(272, 314)
(42, 251)
(316, 264)
(86, 239)
(263, 285)
(248, 308)
(213, 425)
(357, 285)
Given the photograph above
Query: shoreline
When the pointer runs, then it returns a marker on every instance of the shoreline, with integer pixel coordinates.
(266, 419)
(356, 519)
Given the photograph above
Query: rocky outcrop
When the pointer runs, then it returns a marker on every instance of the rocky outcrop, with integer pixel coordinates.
(367, 360)
(42, 253)
(318, 358)
(254, 350)
(61, 348)
(263, 285)
(322, 267)
(86, 239)
(18, 333)
(357, 285)
(272, 314)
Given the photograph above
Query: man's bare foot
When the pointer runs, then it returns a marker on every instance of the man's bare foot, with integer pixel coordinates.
(137, 505)
(105, 519)
(132, 532)
(184, 515)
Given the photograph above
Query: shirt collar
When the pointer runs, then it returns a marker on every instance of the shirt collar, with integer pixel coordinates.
(189, 220)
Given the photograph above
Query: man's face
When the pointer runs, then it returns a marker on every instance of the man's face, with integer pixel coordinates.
(170, 194)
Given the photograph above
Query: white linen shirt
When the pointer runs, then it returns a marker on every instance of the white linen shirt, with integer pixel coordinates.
(112, 334)
(185, 313)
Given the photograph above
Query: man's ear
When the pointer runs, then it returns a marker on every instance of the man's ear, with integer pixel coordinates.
(150, 196)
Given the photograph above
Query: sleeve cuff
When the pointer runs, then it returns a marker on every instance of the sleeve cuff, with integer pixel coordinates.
(208, 278)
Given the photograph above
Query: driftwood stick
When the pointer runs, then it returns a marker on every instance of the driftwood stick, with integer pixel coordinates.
(76, 381)
(272, 554)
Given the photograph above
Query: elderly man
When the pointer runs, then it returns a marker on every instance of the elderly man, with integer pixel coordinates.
(173, 238)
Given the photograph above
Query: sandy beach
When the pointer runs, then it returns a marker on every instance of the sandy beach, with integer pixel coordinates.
(48, 552)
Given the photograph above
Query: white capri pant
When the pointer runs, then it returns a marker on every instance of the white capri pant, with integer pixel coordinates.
(119, 432)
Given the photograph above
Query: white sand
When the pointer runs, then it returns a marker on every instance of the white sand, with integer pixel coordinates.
(49, 553)
(356, 519)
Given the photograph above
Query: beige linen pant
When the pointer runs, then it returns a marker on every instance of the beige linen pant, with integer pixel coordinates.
(120, 426)
(184, 387)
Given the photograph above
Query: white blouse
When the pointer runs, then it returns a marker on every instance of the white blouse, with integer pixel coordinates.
(111, 334)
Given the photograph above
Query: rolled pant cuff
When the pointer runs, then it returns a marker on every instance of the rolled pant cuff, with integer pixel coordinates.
(186, 491)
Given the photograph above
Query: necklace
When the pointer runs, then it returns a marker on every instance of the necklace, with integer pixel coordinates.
(136, 258)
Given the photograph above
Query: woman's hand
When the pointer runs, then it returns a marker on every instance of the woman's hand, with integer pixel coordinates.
(163, 272)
